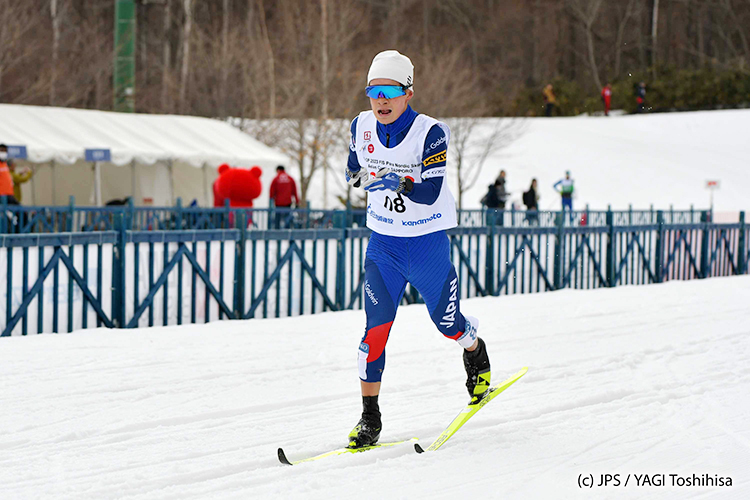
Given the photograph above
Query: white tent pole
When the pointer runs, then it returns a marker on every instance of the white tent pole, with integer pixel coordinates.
(206, 195)
(97, 184)
(171, 182)
(33, 184)
(132, 179)
(54, 190)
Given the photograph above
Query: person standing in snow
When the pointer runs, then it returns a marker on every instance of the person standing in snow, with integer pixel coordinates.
(283, 192)
(6, 177)
(531, 200)
(398, 157)
(640, 97)
(565, 188)
(607, 98)
(496, 196)
(549, 100)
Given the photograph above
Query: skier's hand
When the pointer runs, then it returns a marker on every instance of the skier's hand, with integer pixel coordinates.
(355, 179)
(385, 179)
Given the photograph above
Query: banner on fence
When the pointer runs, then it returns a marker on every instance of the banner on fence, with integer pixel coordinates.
(58, 297)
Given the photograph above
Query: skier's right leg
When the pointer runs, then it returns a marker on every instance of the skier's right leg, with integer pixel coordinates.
(384, 287)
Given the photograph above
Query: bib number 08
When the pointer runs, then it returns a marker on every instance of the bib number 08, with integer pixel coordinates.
(396, 204)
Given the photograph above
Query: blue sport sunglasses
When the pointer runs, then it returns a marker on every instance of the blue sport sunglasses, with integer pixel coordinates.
(385, 91)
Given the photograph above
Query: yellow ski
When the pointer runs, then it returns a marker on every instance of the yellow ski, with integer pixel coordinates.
(470, 411)
(341, 451)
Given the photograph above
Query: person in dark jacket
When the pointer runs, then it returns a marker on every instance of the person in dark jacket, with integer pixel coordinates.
(640, 97)
(496, 196)
(531, 199)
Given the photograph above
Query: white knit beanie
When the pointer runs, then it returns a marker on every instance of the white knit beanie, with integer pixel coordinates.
(392, 65)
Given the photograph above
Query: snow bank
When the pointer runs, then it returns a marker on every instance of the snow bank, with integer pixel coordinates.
(631, 380)
(661, 159)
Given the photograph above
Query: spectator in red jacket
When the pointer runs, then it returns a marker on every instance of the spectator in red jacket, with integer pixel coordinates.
(283, 190)
(607, 98)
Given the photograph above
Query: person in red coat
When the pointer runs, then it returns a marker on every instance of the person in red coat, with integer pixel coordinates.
(283, 190)
(607, 98)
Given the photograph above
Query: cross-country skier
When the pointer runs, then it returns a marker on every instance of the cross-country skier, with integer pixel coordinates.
(565, 188)
(399, 157)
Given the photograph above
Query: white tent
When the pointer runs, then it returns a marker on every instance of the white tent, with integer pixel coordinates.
(152, 158)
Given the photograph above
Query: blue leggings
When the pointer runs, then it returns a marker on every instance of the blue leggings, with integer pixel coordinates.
(391, 262)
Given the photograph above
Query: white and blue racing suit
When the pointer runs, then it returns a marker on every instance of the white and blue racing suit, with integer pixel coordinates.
(408, 243)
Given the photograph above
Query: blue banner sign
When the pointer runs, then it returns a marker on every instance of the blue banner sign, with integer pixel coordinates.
(98, 155)
(17, 152)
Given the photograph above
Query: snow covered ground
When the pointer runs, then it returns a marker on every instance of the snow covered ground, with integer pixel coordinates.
(661, 159)
(634, 380)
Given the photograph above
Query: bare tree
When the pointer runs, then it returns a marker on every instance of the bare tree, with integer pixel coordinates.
(185, 73)
(586, 12)
(17, 21)
(654, 36)
(271, 60)
(224, 58)
(472, 141)
(250, 57)
(627, 13)
(56, 15)
(166, 106)
(740, 26)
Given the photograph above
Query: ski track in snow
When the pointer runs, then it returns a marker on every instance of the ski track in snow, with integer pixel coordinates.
(650, 379)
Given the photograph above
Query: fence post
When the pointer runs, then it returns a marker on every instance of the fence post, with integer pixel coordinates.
(339, 221)
(131, 213)
(178, 214)
(489, 256)
(239, 266)
(742, 247)
(659, 264)
(3, 214)
(705, 250)
(559, 246)
(71, 213)
(118, 273)
(610, 248)
(225, 215)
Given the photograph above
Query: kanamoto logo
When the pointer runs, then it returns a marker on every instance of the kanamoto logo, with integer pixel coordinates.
(436, 158)
(368, 135)
(370, 148)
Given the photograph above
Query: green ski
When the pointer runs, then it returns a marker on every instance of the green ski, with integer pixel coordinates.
(470, 411)
(341, 451)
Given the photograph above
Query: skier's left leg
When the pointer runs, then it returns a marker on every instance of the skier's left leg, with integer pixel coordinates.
(434, 276)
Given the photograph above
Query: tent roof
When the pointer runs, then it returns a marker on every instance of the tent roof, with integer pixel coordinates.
(62, 135)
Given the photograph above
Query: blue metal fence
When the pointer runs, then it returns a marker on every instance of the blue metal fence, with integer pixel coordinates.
(128, 278)
(17, 219)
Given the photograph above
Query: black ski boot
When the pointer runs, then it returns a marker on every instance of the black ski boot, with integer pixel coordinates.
(477, 365)
(367, 431)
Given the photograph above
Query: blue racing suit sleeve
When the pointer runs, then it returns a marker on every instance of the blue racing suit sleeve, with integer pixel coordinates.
(352, 162)
(433, 168)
